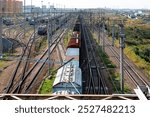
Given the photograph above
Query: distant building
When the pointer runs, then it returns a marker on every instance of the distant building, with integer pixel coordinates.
(29, 8)
(32, 9)
(36, 10)
(52, 6)
(10, 6)
(44, 9)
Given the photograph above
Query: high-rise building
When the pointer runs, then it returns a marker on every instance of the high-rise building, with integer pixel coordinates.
(11, 6)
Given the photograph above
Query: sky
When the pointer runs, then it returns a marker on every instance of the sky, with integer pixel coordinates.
(132, 4)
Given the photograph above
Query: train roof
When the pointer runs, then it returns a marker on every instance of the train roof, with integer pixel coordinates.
(72, 52)
(74, 62)
(64, 92)
(68, 74)
(74, 43)
(76, 34)
(42, 26)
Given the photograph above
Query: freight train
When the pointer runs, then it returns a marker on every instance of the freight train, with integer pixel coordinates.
(57, 23)
(8, 22)
(69, 77)
(42, 30)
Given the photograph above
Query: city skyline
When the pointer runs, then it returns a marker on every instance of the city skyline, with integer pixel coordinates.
(117, 4)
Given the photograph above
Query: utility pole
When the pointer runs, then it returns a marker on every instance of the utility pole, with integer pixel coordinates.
(13, 8)
(34, 25)
(61, 9)
(90, 19)
(122, 46)
(99, 28)
(31, 7)
(55, 15)
(65, 14)
(113, 33)
(108, 23)
(42, 6)
(103, 35)
(49, 38)
(24, 18)
(1, 23)
(93, 22)
(49, 7)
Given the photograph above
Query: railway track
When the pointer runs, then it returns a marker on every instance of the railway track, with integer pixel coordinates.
(130, 70)
(32, 76)
(16, 72)
(136, 78)
(40, 68)
(11, 31)
(28, 55)
(33, 72)
(61, 50)
(60, 53)
(53, 47)
(29, 77)
(96, 83)
(17, 35)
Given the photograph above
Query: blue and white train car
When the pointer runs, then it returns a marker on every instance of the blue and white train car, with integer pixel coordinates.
(68, 80)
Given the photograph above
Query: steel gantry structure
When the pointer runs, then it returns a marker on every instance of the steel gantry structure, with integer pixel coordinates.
(141, 93)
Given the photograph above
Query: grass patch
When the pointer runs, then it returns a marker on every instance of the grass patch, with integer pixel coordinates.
(137, 43)
(102, 54)
(67, 37)
(41, 44)
(127, 89)
(47, 85)
(4, 61)
(115, 76)
(2, 64)
(116, 79)
(28, 33)
(105, 58)
(138, 61)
